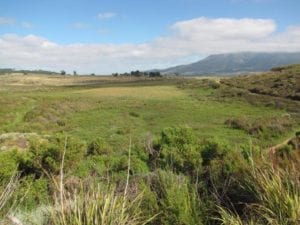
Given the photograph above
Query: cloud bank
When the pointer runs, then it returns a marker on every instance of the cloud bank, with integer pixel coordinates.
(187, 39)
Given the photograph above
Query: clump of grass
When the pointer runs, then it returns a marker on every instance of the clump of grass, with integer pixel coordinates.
(229, 218)
(178, 200)
(279, 195)
(96, 205)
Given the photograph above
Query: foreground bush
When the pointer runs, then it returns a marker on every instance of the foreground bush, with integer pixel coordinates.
(179, 180)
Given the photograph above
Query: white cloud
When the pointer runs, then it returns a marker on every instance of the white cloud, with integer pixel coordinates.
(223, 28)
(6, 21)
(188, 39)
(106, 15)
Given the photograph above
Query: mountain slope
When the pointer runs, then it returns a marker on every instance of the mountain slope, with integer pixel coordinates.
(235, 63)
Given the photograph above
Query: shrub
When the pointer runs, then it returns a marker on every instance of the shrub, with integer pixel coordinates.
(32, 192)
(179, 150)
(139, 160)
(8, 162)
(44, 157)
(238, 123)
(211, 151)
(99, 147)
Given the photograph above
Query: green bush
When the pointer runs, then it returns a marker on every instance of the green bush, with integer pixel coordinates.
(44, 157)
(238, 123)
(139, 160)
(179, 150)
(32, 192)
(9, 164)
(212, 151)
(99, 147)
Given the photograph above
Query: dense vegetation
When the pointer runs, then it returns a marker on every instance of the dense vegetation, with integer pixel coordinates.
(138, 73)
(165, 151)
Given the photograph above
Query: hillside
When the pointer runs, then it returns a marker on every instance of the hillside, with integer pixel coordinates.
(235, 63)
(281, 82)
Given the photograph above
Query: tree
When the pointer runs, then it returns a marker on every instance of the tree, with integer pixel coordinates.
(74, 73)
(62, 72)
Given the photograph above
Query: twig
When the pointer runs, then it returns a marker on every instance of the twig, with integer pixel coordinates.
(62, 178)
(128, 169)
(9, 189)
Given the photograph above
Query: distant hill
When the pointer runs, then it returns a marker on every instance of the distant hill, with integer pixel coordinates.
(9, 71)
(232, 63)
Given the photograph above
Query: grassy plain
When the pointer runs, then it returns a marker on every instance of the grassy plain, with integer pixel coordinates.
(116, 108)
(88, 150)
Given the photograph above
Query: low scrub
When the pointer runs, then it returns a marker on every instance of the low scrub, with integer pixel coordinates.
(263, 128)
(180, 180)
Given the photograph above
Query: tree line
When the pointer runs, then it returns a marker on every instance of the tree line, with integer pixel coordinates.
(138, 73)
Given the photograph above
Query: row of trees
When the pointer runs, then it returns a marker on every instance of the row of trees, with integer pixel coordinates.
(138, 73)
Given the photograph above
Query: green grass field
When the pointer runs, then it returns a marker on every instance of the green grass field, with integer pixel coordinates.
(120, 110)
(166, 151)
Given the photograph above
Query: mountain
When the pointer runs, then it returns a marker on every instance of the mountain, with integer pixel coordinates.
(232, 63)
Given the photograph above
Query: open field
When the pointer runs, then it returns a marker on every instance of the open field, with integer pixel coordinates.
(115, 108)
(184, 150)
(20, 79)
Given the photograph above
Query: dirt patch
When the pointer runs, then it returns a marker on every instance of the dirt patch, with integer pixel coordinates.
(16, 140)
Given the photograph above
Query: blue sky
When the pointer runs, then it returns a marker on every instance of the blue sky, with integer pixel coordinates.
(51, 34)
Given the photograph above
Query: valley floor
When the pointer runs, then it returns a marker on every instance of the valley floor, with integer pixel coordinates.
(145, 136)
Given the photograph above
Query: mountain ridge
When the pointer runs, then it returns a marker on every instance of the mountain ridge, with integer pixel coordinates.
(234, 63)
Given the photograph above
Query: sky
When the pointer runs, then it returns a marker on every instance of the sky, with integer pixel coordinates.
(107, 36)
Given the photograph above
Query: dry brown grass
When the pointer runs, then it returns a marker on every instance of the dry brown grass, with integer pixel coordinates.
(144, 92)
(18, 79)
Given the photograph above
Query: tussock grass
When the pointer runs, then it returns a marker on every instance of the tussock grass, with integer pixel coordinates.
(277, 190)
(97, 205)
(279, 194)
